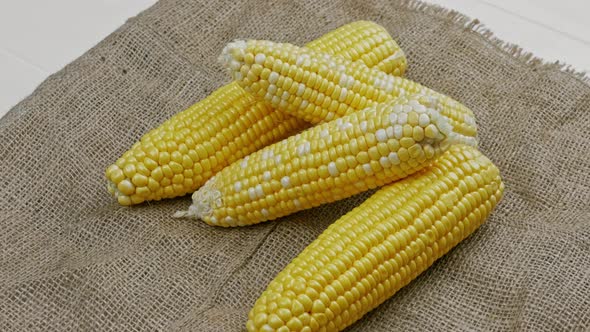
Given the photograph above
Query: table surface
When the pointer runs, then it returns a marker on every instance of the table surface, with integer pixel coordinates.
(64, 29)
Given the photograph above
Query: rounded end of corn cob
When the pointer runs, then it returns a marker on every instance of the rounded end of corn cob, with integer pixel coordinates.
(454, 133)
(116, 193)
(122, 186)
(461, 118)
(204, 201)
(232, 57)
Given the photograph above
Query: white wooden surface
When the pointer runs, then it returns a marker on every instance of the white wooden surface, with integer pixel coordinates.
(64, 29)
(39, 37)
(550, 29)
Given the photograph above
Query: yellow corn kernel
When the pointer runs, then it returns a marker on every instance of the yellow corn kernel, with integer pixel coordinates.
(230, 124)
(292, 163)
(318, 75)
(382, 245)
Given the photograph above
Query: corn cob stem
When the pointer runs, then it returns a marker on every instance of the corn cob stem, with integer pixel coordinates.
(370, 253)
(188, 149)
(317, 87)
(328, 162)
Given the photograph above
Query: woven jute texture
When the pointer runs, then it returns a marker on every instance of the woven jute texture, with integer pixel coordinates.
(71, 259)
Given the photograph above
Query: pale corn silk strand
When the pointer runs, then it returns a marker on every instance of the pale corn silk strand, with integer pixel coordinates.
(328, 162)
(318, 87)
(367, 255)
(185, 151)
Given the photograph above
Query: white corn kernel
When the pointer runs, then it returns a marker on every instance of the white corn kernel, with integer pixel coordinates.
(286, 182)
(381, 135)
(332, 169)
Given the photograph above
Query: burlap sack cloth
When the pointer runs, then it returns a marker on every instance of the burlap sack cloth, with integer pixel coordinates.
(73, 260)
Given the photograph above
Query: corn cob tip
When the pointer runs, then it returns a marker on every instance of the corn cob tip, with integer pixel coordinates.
(203, 202)
(231, 57)
(434, 103)
(433, 106)
(399, 54)
(123, 190)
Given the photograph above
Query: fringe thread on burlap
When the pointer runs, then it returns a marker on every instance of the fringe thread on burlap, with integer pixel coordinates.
(515, 51)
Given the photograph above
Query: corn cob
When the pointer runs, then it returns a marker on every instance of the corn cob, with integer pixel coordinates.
(328, 162)
(317, 87)
(184, 152)
(370, 253)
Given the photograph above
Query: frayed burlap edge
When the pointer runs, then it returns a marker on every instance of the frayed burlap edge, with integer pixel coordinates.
(476, 26)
